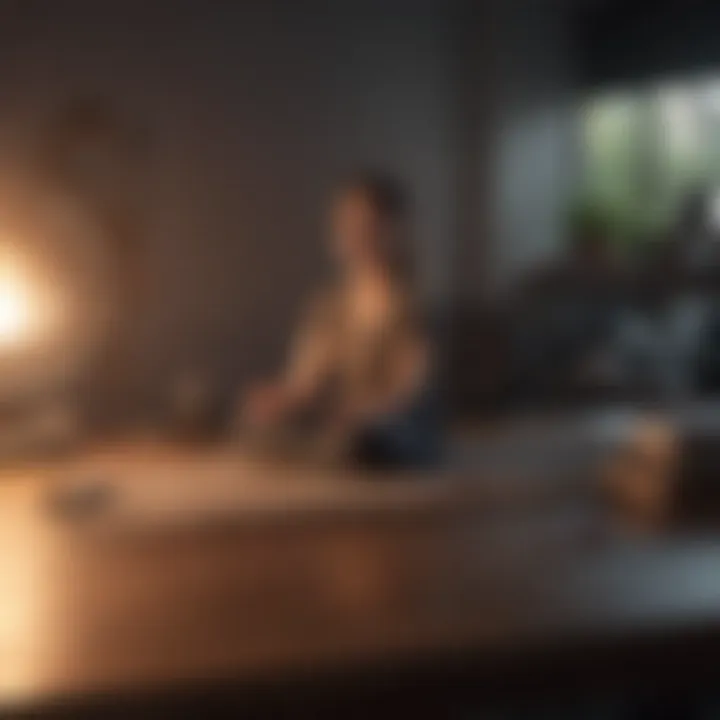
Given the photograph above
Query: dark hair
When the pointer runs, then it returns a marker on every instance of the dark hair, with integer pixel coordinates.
(387, 196)
(384, 192)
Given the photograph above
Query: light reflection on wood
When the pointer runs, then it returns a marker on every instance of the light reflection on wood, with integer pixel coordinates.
(24, 621)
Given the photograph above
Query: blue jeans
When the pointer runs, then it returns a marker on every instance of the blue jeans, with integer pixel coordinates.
(408, 439)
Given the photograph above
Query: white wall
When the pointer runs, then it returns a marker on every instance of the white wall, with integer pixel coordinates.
(520, 161)
(537, 150)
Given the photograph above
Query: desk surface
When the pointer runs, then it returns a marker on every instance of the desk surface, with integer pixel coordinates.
(85, 611)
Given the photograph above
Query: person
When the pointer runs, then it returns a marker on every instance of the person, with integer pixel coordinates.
(359, 382)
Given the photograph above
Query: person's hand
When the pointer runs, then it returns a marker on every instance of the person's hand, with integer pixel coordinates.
(335, 439)
(265, 405)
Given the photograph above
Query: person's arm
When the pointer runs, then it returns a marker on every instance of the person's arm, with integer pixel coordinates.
(311, 357)
(310, 361)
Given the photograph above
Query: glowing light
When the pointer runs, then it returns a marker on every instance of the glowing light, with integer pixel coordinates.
(15, 312)
(23, 598)
(22, 305)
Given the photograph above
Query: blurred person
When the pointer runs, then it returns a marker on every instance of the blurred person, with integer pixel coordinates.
(359, 377)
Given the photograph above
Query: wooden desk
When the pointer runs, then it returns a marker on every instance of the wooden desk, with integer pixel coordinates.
(445, 598)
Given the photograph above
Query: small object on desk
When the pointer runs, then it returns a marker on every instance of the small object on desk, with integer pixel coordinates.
(640, 480)
(80, 500)
(669, 471)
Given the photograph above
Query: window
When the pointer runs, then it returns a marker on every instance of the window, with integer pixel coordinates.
(644, 150)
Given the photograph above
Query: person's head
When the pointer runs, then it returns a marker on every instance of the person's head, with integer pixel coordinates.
(369, 221)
